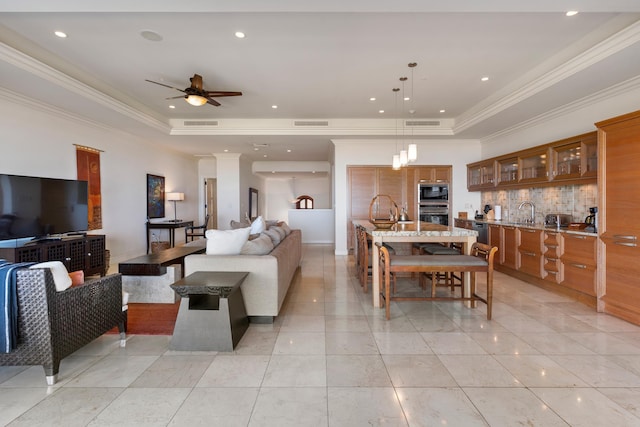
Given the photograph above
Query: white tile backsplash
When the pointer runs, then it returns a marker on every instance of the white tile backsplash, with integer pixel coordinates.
(568, 199)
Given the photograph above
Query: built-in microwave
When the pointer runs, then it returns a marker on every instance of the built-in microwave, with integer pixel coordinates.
(432, 192)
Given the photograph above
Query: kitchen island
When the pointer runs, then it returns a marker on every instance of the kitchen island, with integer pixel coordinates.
(411, 232)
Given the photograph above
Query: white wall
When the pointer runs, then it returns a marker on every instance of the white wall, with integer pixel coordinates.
(379, 152)
(40, 143)
(282, 190)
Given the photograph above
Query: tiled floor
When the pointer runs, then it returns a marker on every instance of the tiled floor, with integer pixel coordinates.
(331, 359)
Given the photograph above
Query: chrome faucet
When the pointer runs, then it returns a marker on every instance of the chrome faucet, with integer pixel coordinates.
(533, 211)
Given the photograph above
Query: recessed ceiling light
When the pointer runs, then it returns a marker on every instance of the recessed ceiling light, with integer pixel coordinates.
(273, 171)
(380, 111)
(264, 155)
(288, 150)
(572, 13)
(150, 35)
(442, 111)
(240, 34)
(274, 107)
(372, 99)
(172, 106)
(226, 150)
(256, 149)
(61, 34)
(406, 98)
(484, 79)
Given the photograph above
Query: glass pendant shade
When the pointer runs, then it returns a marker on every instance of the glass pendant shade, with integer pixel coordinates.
(413, 153)
(396, 162)
(195, 100)
(404, 158)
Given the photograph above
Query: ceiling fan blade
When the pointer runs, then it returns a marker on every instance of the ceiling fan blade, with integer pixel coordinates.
(176, 97)
(212, 101)
(162, 84)
(222, 93)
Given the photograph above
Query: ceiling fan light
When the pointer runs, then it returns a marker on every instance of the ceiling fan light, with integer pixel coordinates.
(413, 153)
(195, 100)
(396, 162)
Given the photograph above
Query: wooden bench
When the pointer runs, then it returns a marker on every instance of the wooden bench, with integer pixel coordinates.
(480, 260)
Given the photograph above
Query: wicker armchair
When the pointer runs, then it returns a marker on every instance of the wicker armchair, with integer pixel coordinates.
(52, 325)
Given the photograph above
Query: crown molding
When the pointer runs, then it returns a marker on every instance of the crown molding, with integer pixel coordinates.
(50, 74)
(593, 99)
(610, 46)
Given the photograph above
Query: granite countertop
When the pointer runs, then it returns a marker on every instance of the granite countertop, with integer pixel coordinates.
(537, 226)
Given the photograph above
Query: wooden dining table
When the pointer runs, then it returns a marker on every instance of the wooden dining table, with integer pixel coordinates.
(411, 232)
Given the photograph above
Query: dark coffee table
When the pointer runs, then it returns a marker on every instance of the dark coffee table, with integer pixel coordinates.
(212, 316)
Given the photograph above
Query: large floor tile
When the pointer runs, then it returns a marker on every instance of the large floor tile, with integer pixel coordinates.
(113, 371)
(427, 407)
(598, 371)
(356, 371)
(452, 343)
(417, 371)
(364, 406)
(478, 371)
(235, 371)
(296, 371)
(290, 407)
(539, 371)
(229, 407)
(300, 343)
(174, 371)
(401, 343)
(351, 343)
(503, 407)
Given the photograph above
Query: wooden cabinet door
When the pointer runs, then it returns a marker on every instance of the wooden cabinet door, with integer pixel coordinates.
(510, 246)
(619, 194)
(530, 251)
(442, 174)
(362, 188)
(392, 183)
(495, 239)
(580, 263)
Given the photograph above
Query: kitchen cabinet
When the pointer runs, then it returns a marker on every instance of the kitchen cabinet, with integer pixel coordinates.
(619, 199)
(580, 263)
(434, 173)
(86, 253)
(575, 160)
(510, 243)
(481, 175)
(533, 166)
(569, 161)
(507, 171)
(552, 264)
(496, 239)
(530, 251)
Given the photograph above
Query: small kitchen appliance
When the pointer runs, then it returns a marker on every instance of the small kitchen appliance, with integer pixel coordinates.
(592, 220)
(557, 220)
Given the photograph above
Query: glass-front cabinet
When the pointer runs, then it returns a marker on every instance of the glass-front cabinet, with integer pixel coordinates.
(533, 166)
(508, 171)
(573, 160)
(481, 175)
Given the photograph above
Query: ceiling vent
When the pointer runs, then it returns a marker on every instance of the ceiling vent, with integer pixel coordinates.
(311, 123)
(201, 123)
(422, 123)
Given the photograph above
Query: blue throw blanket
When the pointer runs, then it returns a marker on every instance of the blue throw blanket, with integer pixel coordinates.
(9, 304)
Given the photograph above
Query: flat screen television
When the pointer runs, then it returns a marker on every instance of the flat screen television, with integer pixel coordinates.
(41, 207)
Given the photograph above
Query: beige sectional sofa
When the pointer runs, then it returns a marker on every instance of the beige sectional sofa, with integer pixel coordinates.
(269, 278)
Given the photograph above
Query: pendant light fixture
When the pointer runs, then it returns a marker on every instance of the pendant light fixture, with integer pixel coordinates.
(404, 156)
(395, 164)
(412, 153)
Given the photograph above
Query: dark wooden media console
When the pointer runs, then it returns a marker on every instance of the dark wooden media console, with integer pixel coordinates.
(156, 264)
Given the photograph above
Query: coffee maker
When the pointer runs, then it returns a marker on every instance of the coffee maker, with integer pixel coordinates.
(592, 220)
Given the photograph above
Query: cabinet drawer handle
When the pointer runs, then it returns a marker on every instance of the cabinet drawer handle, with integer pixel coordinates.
(528, 230)
(579, 265)
(551, 272)
(630, 244)
(576, 237)
(552, 259)
(528, 253)
(508, 228)
(551, 246)
(625, 237)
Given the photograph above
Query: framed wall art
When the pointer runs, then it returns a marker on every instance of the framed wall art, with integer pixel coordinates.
(155, 196)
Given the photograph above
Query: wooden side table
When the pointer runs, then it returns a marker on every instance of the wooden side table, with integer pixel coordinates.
(212, 316)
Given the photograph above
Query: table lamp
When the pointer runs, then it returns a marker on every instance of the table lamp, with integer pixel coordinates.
(175, 197)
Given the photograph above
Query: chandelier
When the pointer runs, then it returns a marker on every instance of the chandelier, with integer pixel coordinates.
(409, 154)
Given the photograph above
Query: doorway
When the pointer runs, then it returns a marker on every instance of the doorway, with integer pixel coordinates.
(211, 201)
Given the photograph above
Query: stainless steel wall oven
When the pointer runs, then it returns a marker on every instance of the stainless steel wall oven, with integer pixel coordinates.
(433, 202)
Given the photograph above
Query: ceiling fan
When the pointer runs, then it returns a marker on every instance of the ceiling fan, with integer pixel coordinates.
(196, 95)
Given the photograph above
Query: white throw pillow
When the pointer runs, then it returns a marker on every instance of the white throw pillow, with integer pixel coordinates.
(258, 225)
(60, 274)
(226, 242)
